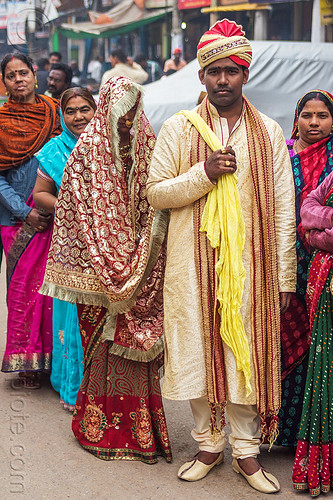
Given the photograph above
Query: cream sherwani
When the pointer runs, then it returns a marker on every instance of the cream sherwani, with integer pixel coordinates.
(175, 183)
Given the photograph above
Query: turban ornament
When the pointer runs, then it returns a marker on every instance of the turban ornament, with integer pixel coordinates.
(225, 39)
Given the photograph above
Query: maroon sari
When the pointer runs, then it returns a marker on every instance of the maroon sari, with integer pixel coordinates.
(108, 254)
(119, 412)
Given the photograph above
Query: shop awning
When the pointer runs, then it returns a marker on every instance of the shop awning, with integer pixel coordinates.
(123, 18)
(236, 7)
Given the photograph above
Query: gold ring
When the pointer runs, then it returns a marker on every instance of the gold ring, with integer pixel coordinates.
(227, 163)
(223, 151)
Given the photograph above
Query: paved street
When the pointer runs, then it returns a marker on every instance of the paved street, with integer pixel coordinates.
(40, 459)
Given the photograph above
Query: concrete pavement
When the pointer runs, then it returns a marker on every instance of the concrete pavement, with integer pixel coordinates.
(41, 460)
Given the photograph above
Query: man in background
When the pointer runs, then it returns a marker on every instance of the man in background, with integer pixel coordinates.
(54, 57)
(124, 66)
(59, 80)
(42, 74)
(151, 67)
(175, 63)
(95, 68)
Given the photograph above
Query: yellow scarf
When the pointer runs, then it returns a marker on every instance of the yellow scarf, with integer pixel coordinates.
(223, 222)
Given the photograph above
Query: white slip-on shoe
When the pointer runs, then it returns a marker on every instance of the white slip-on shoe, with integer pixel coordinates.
(261, 480)
(195, 470)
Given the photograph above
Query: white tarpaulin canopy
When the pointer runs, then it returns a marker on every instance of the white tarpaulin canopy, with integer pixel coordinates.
(280, 73)
(125, 17)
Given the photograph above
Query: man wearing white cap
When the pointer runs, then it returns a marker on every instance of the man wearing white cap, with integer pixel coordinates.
(231, 261)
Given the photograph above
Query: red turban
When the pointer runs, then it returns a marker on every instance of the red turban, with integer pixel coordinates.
(224, 39)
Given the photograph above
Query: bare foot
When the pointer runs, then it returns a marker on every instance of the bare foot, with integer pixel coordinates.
(206, 457)
(249, 465)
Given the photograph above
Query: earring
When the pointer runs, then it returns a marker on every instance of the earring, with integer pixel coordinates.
(297, 134)
(7, 93)
(36, 85)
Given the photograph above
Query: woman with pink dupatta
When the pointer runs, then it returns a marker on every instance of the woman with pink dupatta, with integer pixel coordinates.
(28, 121)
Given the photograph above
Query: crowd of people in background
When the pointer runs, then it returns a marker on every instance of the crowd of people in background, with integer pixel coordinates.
(54, 76)
(119, 245)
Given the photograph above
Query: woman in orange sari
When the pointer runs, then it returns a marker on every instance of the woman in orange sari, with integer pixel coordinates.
(27, 122)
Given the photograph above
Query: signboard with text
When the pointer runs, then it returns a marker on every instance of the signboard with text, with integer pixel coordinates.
(326, 12)
(158, 4)
(17, 16)
(193, 4)
(3, 15)
(271, 1)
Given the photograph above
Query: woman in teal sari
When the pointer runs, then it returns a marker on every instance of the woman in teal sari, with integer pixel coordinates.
(77, 109)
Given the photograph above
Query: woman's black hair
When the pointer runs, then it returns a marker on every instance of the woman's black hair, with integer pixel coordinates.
(315, 96)
(16, 55)
(77, 92)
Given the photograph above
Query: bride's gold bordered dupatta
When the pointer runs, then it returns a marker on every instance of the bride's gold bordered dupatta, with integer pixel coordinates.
(265, 289)
(107, 245)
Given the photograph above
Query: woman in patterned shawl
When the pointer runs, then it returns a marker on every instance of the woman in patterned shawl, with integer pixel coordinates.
(310, 149)
(27, 122)
(107, 254)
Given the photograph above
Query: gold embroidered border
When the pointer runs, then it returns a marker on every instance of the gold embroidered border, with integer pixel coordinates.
(87, 359)
(220, 49)
(266, 310)
(22, 362)
(127, 454)
(136, 355)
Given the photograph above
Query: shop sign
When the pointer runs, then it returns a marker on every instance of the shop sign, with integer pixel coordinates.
(193, 4)
(271, 1)
(326, 12)
(158, 4)
(17, 16)
(3, 15)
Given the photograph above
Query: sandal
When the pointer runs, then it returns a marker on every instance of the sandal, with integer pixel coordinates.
(29, 380)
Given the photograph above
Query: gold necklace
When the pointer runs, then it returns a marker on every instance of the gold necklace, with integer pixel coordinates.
(124, 151)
